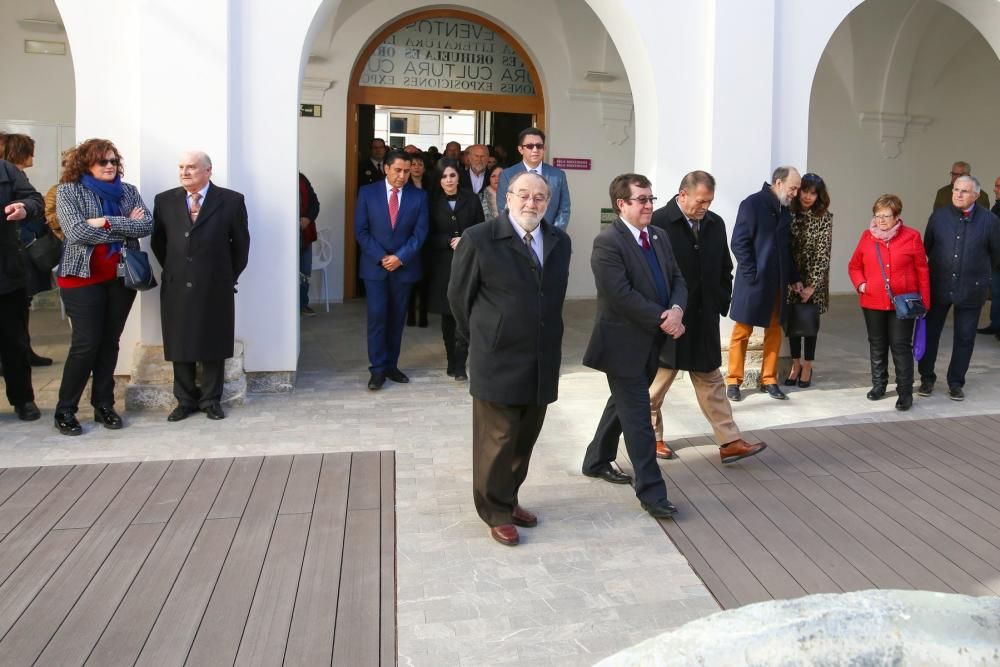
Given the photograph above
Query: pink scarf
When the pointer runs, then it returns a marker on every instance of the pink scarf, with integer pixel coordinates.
(888, 234)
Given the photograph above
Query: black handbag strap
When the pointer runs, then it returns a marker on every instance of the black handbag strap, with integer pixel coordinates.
(881, 267)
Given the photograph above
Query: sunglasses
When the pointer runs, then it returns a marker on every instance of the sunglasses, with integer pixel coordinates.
(104, 162)
(533, 147)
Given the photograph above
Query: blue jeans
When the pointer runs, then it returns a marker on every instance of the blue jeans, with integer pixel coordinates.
(305, 268)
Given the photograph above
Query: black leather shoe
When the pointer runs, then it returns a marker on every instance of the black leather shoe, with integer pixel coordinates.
(68, 424)
(904, 402)
(774, 391)
(109, 418)
(955, 393)
(181, 412)
(376, 381)
(609, 474)
(664, 510)
(988, 330)
(733, 393)
(876, 393)
(925, 388)
(28, 411)
(460, 375)
(214, 411)
(397, 375)
(39, 360)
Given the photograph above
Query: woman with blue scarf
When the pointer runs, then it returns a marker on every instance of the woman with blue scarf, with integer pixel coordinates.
(98, 212)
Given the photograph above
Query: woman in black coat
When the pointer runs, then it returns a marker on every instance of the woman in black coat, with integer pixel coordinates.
(452, 212)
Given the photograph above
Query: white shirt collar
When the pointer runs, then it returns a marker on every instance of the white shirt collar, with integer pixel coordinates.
(635, 231)
(537, 169)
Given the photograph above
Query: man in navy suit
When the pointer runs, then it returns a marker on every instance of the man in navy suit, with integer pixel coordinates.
(390, 224)
(531, 146)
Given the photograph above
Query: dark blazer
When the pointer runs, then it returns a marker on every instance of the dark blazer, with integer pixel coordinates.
(627, 326)
(201, 266)
(511, 315)
(996, 208)
(962, 255)
(369, 173)
(708, 272)
(445, 225)
(378, 238)
(762, 245)
(465, 181)
(14, 186)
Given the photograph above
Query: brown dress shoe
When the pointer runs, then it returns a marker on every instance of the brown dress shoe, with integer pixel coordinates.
(739, 449)
(523, 518)
(662, 451)
(505, 534)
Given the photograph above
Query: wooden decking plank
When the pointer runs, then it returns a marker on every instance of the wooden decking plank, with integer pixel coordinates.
(235, 493)
(777, 444)
(168, 493)
(170, 639)
(77, 635)
(34, 572)
(32, 631)
(19, 542)
(896, 444)
(986, 428)
(30, 494)
(924, 440)
(218, 638)
(708, 474)
(300, 494)
(310, 638)
(387, 557)
(840, 571)
(977, 481)
(12, 479)
(870, 445)
(356, 639)
(364, 494)
(123, 639)
(91, 504)
(822, 446)
(266, 631)
(952, 492)
(956, 434)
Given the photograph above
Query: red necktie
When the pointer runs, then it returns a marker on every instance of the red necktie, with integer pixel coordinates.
(394, 207)
(643, 238)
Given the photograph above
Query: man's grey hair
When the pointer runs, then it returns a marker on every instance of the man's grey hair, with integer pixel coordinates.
(781, 173)
(964, 165)
(202, 157)
(976, 188)
(523, 174)
(693, 179)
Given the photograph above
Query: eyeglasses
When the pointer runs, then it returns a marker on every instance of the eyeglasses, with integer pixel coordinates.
(105, 162)
(643, 200)
(956, 174)
(533, 147)
(524, 197)
(884, 218)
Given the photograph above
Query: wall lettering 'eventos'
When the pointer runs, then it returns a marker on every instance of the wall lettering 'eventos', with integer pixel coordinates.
(448, 54)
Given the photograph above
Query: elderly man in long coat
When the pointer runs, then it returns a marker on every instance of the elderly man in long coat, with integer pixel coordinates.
(202, 241)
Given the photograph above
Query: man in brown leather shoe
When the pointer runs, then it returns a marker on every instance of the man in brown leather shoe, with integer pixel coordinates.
(698, 238)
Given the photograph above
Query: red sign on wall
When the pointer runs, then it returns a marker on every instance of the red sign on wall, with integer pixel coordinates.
(571, 163)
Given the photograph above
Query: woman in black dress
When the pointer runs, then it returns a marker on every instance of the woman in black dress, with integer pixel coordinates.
(452, 212)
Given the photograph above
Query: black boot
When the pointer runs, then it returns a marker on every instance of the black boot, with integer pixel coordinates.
(905, 401)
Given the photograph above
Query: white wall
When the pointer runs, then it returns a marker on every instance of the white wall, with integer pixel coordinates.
(36, 88)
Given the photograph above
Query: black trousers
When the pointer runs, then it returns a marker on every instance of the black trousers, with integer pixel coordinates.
(15, 347)
(887, 332)
(455, 347)
(416, 311)
(503, 437)
(186, 388)
(627, 411)
(795, 347)
(966, 319)
(98, 314)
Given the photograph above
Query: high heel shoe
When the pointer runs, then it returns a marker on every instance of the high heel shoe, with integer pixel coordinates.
(804, 384)
(793, 377)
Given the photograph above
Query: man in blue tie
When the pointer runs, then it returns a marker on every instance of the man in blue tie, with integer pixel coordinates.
(531, 146)
(641, 296)
(390, 224)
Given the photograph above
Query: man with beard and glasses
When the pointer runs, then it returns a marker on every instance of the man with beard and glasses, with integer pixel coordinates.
(508, 282)
(762, 245)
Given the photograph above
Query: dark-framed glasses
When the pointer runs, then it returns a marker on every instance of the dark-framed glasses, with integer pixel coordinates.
(104, 162)
(643, 200)
(533, 147)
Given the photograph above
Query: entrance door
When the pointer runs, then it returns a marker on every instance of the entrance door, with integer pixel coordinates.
(506, 127)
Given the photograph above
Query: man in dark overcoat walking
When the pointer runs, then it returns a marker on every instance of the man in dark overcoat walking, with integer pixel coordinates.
(762, 245)
(508, 282)
(698, 239)
(202, 240)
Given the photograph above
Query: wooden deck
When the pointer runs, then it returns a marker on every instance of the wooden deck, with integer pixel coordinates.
(905, 505)
(263, 561)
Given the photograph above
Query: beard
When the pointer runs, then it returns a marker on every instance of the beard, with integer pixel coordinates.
(528, 222)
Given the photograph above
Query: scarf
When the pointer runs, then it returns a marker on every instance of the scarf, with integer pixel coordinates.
(110, 194)
(888, 234)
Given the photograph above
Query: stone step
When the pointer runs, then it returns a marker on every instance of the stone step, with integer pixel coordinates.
(151, 386)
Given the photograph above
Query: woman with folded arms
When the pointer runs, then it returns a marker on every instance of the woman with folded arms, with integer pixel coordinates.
(98, 213)
(905, 263)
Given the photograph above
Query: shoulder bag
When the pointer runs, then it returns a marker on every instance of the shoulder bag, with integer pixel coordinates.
(45, 252)
(134, 268)
(909, 306)
(802, 320)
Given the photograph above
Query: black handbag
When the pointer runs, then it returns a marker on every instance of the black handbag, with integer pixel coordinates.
(908, 306)
(802, 320)
(134, 268)
(45, 252)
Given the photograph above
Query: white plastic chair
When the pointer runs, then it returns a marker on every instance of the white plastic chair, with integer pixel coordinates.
(322, 251)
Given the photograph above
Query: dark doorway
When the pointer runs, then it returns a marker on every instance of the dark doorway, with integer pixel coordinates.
(506, 127)
(366, 131)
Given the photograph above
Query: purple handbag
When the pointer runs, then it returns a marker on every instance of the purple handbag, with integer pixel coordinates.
(919, 338)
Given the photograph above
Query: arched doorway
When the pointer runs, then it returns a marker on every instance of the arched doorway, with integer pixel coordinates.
(433, 59)
(899, 94)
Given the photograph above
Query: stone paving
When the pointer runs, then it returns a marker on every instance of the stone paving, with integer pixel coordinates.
(597, 575)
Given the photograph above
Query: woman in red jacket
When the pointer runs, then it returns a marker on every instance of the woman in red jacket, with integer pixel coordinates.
(905, 264)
